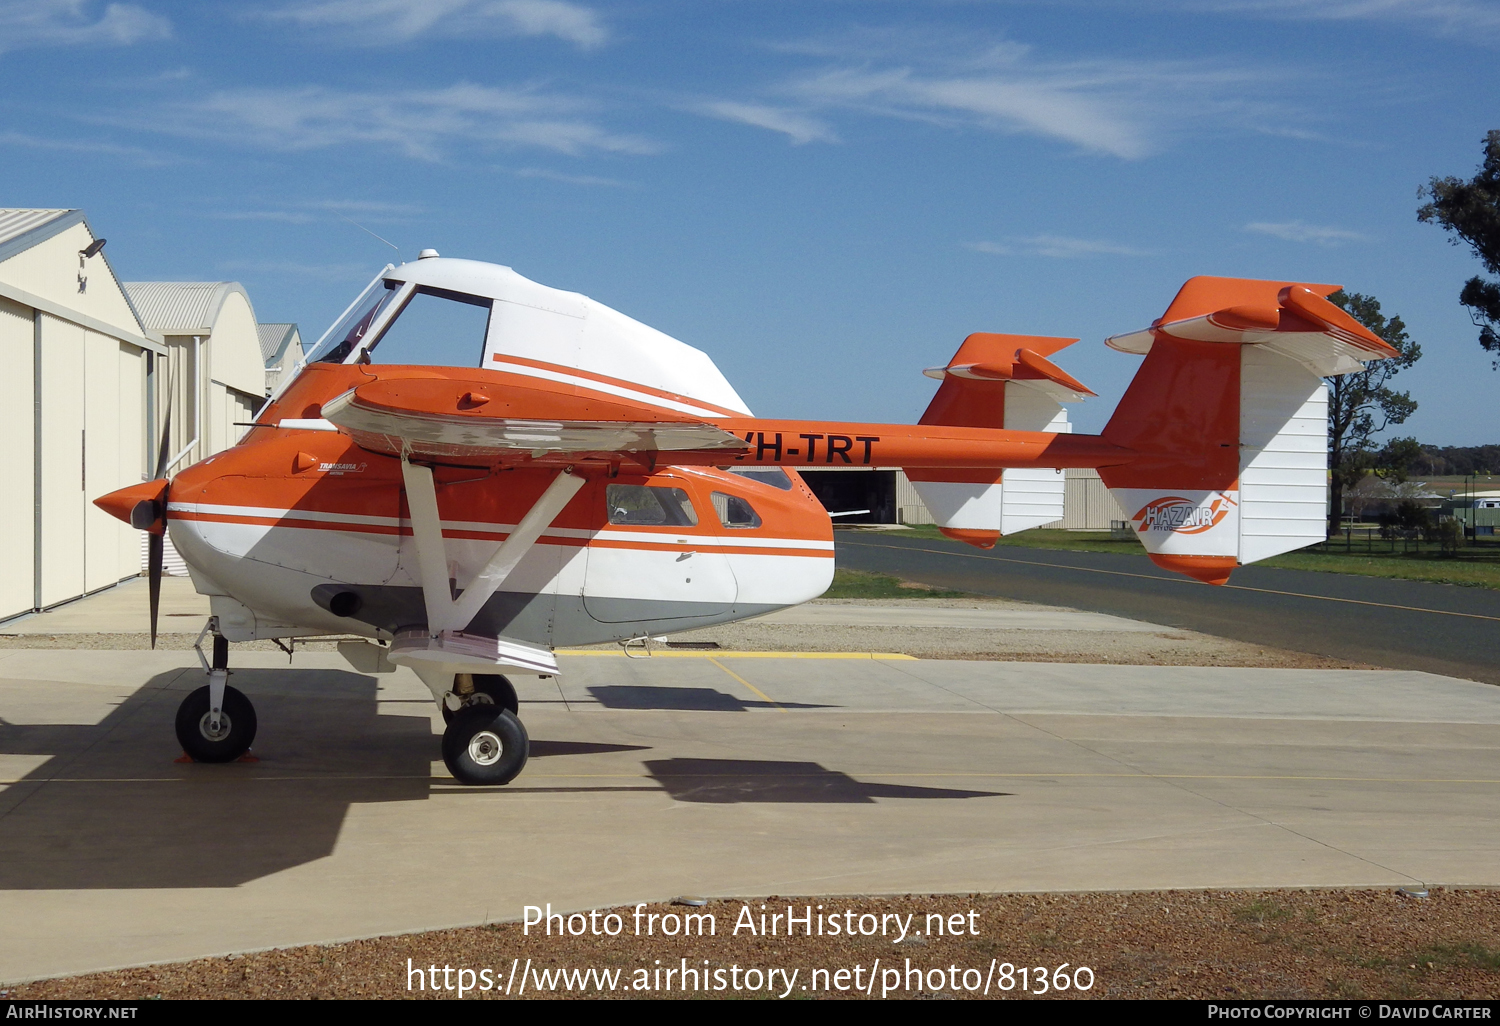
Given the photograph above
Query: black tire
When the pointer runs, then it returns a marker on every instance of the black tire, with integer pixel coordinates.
(485, 745)
(237, 726)
(490, 689)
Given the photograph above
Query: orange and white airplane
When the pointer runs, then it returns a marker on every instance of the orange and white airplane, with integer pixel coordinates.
(593, 479)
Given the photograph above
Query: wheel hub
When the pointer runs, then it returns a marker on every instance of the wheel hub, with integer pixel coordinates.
(485, 748)
(207, 729)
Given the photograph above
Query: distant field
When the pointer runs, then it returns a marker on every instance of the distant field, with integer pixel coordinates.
(1471, 567)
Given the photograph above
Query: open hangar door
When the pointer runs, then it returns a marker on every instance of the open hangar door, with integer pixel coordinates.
(843, 490)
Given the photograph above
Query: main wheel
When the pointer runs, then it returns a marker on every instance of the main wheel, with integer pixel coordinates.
(489, 689)
(485, 745)
(235, 733)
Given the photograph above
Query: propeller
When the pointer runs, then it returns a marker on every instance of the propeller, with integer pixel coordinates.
(144, 507)
(150, 515)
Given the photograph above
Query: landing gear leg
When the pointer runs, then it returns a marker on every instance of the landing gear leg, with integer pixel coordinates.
(479, 689)
(216, 723)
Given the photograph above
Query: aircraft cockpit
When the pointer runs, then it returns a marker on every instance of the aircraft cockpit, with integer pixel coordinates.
(446, 312)
(396, 322)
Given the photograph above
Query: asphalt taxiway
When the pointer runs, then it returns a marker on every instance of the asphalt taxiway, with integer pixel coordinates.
(713, 774)
(1413, 625)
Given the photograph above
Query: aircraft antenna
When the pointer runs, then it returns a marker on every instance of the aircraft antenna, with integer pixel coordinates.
(367, 231)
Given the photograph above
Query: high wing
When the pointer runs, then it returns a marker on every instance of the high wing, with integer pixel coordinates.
(487, 419)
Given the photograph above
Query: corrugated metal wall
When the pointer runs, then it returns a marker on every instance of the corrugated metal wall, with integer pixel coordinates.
(17, 417)
(1088, 505)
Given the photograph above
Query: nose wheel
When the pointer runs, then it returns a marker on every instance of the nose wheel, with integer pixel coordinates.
(485, 744)
(222, 738)
(216, 723)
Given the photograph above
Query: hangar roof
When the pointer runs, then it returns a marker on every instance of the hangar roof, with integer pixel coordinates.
(22, 228)
(182, 307)
(274, 338)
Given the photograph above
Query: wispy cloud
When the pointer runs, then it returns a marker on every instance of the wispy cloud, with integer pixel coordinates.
(1123, 108)
(294, 269)
(311, 211)
(796, 126)
(26, 23)
(1297, 231)
(384, 22)
(558, 176)
(1477, 20)
(278, 216)
(1058, 246)
(134, 154)
(422, 124)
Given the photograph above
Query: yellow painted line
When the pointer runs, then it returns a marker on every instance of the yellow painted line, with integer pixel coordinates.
(763, 696)
(712, 654)
(1185, 580)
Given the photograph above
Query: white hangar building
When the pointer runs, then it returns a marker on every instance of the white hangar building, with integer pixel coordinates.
(88, 372)
(76, 426)
(213, 342)
(281, 349)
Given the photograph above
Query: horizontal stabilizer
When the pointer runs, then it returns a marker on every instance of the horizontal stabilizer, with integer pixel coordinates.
(1007, 382)
(1291, 319)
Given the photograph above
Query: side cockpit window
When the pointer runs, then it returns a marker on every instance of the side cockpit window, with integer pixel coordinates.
(773, 476)
(734, 511)
(645, 506)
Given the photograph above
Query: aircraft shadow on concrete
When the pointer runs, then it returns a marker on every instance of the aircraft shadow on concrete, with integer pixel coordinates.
(111, 809)
(733, 781)
(629, 696)
(541, 749)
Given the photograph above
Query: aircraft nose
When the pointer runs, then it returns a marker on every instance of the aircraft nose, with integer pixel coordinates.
(122, 504)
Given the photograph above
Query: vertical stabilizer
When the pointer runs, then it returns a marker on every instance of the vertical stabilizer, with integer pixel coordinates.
(1229, 414)
(998, 381)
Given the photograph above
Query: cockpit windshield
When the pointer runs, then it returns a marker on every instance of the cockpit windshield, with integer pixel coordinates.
(350, 329)
(431, 327)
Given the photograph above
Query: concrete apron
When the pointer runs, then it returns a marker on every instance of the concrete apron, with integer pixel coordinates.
(713, 776)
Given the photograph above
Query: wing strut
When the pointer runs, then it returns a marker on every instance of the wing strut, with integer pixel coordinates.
(443, 612)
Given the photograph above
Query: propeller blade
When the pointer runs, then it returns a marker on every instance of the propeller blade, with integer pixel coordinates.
(156, 543)
(166, 427)
(155, 553)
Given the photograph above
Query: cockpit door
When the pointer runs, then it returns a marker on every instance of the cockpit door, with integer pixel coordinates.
(658, 559)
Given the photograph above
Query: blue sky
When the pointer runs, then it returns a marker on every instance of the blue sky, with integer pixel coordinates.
(826, 196)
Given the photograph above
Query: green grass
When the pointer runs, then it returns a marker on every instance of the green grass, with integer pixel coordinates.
(1262, 911)
(1465, 953)
(1471, 567)
(1073, 541)
(861, 584)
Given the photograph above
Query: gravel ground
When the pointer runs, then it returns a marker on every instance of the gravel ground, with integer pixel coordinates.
(1163, 648)
(1163, 944)
(134, 642)
(1166, 647)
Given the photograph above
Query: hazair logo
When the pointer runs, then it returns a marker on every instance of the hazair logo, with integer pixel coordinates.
(1182, 515)
(342, 468)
